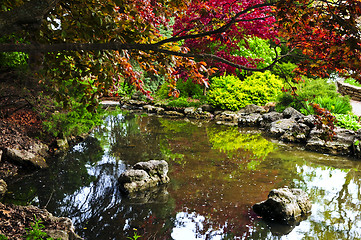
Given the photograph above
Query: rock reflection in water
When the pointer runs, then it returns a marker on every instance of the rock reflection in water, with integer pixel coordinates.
(217, 173)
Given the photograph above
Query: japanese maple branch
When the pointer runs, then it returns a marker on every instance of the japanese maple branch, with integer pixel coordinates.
(221, 29)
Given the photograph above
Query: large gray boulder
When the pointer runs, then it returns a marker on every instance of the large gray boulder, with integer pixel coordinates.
(279, 127)
(250, 120)
(153, 109)
(226, 118)
(298, 133)
(289, 130)
(284, 205)
(143, 176)
(207, 108)
(290, 112)
(173, 114)
(342, 143)
(270, 117)
(34, 155)
(197, 113)
(252, 108)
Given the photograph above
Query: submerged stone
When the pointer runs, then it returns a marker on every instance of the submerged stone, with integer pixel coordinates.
(284, 205)
(145, 175)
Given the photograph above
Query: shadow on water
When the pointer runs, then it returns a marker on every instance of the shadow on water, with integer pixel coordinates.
(217, 173)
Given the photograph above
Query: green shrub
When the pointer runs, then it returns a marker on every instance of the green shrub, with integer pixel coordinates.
(229, 92)
(338, 105)
(186, 89)
(182, 102)
(72, 122)
(348, 121)
(13, 59)
(352, 82)
(163, 91)
(189, 88)
(307, 91)
(284, 70)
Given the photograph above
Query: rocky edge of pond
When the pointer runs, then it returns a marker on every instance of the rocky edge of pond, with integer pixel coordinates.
(288, 126)
(17, 150)
(16, 220)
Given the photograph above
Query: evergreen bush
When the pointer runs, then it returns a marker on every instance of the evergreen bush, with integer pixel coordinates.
(229, 92)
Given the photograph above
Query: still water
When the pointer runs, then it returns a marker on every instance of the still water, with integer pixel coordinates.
(217, 173)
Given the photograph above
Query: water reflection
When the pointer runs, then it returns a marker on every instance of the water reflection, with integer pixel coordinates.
(217, 173)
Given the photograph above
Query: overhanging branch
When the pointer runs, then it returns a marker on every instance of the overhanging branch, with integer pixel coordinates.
(117, 46)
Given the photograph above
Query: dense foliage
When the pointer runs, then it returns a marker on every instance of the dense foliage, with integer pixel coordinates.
(320, 91)
(104, 40)
(101, 48)
(348, 121)
(231, 44)
(228, 92)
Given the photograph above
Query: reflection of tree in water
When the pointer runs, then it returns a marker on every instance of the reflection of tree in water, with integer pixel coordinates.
(129, 138)
(215, 186)
(338, 205)
(230, 140)
(333, 184)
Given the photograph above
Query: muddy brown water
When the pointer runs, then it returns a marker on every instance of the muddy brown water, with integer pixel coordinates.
(217, 173)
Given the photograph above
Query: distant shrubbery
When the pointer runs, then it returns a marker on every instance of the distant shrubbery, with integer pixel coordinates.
(352, 82)
(319, 91)
(229, 92)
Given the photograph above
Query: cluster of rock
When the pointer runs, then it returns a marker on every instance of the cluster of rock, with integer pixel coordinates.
(288, 126)
(15, 220)
(284, 205)
(144, 176)
(32, 154)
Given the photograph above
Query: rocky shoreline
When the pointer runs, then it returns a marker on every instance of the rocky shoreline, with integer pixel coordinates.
(288, 126)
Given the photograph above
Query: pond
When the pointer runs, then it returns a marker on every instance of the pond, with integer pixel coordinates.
(217, 173)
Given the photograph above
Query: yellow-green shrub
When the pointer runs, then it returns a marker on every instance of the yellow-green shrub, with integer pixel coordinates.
(229, 92)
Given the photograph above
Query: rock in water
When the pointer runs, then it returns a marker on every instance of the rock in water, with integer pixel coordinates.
(284, 205)
(144, 175)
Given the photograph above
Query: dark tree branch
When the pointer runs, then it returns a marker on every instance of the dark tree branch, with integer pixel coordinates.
(121, 46)
(221, 29)
(35, 10)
